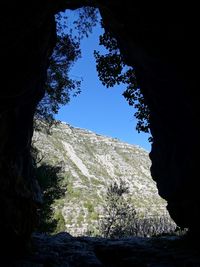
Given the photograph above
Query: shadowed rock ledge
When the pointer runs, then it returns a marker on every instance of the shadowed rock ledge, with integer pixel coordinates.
(63, 250)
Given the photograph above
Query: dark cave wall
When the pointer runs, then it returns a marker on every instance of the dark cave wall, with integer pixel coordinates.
(163, 47)
(164, 53)
(27, 39)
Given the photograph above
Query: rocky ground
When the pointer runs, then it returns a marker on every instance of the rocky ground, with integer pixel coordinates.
(63, 250)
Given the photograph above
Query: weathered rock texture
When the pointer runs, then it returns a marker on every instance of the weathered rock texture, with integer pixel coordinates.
(89, 164)
(63, 250)
(27, 37)
(161, 43)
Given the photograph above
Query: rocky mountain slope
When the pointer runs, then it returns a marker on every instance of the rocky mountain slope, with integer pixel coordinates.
(90, 163)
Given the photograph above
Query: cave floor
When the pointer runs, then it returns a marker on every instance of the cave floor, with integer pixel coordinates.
(63, 250)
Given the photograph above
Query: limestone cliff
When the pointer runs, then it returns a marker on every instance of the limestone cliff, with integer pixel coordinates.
(90, 162)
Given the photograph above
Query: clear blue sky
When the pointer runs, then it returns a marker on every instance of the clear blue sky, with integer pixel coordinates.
(100, 109)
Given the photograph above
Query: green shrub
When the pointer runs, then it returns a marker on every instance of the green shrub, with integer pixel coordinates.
(60, 222)
(89, 206)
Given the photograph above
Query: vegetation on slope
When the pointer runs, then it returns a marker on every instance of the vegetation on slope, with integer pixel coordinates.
(88, 165)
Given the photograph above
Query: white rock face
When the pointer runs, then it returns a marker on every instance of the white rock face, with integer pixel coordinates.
(70, 152)
(90, 163)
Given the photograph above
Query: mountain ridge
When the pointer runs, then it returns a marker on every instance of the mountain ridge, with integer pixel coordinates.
(103, 135)
(90, 163)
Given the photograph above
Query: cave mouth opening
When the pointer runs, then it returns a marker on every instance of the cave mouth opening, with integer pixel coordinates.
(29, 43)
(113, 210)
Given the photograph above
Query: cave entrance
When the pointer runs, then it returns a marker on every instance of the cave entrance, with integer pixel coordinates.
(94, 167)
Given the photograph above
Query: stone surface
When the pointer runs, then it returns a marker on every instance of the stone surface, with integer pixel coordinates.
(64, 250)
(28, 35)
(161, 51)
(89, 164)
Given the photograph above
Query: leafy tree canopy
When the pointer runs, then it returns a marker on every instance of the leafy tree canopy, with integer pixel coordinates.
(118, 213)
(112, 70)
(60, 87)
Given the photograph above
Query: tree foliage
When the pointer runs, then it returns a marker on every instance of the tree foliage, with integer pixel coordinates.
(60, 87)
(87, 20)
(120, 219)
(49, 180)
(118, 213)
(112, 70)
(111, 67)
